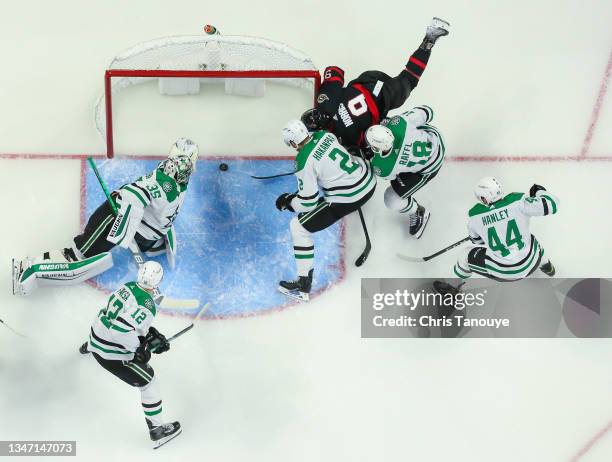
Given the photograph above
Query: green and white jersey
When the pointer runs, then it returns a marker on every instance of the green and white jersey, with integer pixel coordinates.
(324, 165)
(128, 314)
(147, 206)
(512, 251)
(418, 147)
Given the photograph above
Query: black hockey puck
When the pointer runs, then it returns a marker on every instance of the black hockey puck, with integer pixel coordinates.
(223, 167)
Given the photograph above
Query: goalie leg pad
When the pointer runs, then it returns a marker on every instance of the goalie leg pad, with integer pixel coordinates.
(58, 272)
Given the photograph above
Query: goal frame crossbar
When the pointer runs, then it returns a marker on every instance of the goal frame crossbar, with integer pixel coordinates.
(152, 73)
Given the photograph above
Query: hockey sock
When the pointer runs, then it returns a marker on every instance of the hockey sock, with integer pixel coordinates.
(303, 247)
(411, 206)
(151, 402)
(462, 267)
(416, 65)
(398, 203)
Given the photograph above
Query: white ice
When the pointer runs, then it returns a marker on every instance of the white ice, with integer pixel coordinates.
(514, 78)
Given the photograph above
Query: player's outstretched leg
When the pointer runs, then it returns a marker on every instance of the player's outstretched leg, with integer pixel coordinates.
(395, 91)
(303, 250)
(56, 268)
(418, 216)
(436, 29)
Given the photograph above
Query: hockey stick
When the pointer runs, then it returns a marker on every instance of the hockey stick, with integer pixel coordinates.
(271, 176)
(368, 246)
(11, 329)
(190, 326)
(433, 255)
(161, 300)
(111, 202)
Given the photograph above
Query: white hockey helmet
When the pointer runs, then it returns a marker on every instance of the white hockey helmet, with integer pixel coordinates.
(380, 139)
(488, 190)
(150, 274)
(185, 147)
(294, 133)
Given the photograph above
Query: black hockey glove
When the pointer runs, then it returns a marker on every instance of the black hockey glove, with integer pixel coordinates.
(156, 341)
(283, 202)
(535, 188)
(315, 119)
(142, 355)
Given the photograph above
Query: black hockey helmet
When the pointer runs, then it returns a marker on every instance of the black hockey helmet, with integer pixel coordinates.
(315, 119)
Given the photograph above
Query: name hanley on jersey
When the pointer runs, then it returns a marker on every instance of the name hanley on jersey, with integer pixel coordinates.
(495, 217)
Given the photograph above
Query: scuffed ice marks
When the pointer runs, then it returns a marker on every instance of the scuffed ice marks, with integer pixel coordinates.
(233, 245)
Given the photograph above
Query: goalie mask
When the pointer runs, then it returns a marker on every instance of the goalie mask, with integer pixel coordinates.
(179, 167)
(185, 147)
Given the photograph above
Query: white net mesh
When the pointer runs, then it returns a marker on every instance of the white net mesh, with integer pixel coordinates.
(205, 53)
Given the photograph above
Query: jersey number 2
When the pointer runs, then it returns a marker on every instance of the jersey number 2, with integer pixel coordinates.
(513, 236)
(346, 163)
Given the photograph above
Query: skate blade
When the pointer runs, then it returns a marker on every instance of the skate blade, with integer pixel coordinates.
(426, 216)
(159, 443)
(440, 23)
(296, 294)
(15, 276)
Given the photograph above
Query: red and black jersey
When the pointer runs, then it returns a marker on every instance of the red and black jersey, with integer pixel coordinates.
(353, 108)
(366, 100)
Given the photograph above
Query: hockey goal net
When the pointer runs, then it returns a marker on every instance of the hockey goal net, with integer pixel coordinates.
(182, 64)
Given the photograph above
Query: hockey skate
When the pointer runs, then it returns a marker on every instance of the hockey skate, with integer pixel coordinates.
(548, 269)
(418, 221)
(438, 28)
(298, 288)
(162, 434)
(19, 266)
(83, 349)
(444, 288)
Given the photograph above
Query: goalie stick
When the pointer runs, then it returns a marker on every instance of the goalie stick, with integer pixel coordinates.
(433, 255)
(161, 300)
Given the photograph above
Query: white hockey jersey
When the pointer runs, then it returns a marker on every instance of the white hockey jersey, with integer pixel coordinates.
(148, 206)
(324, 165)
(128, 314)
(512, 251)
(418, 147)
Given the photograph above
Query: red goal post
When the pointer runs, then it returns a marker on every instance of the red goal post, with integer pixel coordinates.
(159, 73)
(181, 63)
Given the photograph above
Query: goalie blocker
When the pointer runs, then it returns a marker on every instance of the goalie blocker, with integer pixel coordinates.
(146, 210)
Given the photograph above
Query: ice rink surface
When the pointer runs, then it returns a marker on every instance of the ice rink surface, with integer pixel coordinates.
(519, 90)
